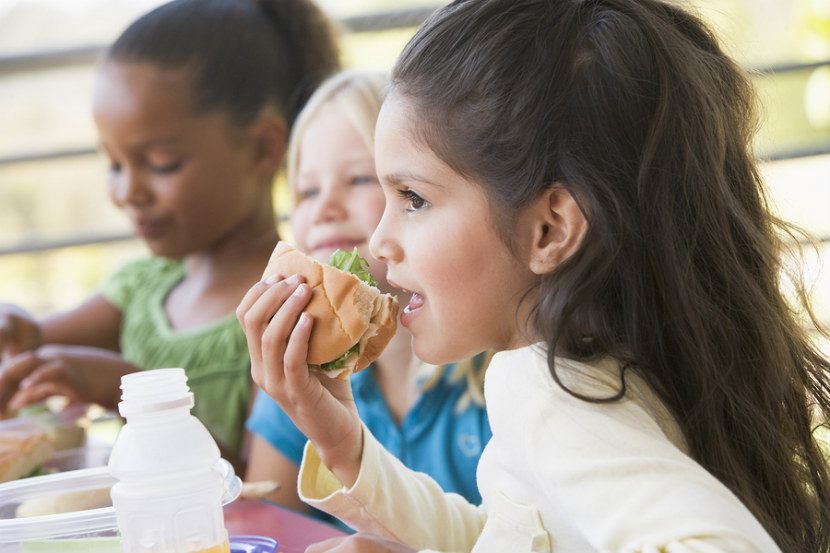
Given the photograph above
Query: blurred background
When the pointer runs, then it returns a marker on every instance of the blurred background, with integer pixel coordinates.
(59, 235)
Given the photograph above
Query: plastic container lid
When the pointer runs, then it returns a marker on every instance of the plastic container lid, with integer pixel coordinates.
(253, 544)
(112, 544)
(75, 523)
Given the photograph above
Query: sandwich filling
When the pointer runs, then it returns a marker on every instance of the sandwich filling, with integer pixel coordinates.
(367, 301)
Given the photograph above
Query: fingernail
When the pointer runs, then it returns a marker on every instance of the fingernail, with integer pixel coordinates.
(299, 290)
(293, 279)
(272, 279)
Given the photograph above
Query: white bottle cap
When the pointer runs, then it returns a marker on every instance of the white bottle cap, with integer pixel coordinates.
(154, 390)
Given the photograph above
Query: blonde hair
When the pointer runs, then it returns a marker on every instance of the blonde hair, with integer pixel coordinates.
(470, 370)
(357, 93)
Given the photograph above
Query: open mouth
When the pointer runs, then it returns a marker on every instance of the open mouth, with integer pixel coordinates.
(410, 312)
(415, 303)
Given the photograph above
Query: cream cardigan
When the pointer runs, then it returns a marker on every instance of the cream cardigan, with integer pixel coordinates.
(559, 475)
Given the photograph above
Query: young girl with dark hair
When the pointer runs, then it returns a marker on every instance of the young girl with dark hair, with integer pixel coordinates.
(193, 104)
(571, 183)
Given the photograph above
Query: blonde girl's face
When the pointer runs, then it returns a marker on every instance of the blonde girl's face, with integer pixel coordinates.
(439, 242)
(338, 199)
(186, 182)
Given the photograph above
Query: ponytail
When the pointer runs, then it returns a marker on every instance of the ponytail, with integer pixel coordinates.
(310, 37)
(243, 55)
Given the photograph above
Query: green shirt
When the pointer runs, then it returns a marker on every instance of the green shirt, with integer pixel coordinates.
(215, 358)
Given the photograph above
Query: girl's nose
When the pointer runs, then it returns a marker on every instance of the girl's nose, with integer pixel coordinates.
(384, 244)
(330, 204)
(127, 188)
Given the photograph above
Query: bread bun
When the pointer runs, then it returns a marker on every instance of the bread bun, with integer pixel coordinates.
(22, 451)
(346, 311)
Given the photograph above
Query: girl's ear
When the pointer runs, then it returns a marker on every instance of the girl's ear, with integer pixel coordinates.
(559, 225)
(271, 137)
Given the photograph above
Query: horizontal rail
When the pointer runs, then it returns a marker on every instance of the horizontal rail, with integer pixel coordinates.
(48, 156)
(793, 153)
(34, 245)
(789, 67)
(389, 20)
(88, 55)
(49, 59)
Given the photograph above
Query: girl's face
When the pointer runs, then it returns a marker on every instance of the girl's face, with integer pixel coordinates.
(439, 242)
(186, 182)
(338, 199)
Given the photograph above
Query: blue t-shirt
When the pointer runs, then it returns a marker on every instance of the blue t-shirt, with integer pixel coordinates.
(433, 437)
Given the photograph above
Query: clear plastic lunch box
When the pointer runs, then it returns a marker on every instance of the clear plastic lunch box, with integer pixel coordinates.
(90, 530)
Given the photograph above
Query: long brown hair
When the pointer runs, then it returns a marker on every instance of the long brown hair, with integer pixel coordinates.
(633, 106)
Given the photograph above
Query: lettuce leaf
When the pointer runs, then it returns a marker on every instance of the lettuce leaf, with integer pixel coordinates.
(353, 263)
(338, 363)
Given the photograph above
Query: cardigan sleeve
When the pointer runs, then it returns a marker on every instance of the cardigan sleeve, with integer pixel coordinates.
(393, 501)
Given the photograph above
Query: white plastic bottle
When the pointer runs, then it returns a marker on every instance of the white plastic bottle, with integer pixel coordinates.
(168, 498)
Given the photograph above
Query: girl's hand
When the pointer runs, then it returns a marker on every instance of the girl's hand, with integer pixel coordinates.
(19, 331)
(277, 329)
(81, 374)
(359, 543)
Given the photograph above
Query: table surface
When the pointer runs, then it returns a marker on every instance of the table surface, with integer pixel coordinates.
(294, 531)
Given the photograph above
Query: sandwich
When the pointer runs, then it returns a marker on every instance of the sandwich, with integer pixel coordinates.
(353, 320)
(22, 451)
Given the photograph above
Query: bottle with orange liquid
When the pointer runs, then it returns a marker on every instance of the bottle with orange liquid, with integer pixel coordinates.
(168, 498)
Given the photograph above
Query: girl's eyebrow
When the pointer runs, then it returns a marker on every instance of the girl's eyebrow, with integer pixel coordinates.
(400, 178)
(156, 142)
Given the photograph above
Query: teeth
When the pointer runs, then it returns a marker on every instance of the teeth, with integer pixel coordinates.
(406, 309)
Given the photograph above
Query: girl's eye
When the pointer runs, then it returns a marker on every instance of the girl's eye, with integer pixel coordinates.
(307, 193)
(364, 179)
(415, 201)
(166, 169)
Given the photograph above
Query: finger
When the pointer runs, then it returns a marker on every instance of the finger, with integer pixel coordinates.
(256, 317)
(49, 379)
(255, 312)
(250, 298)
(41, 392)
(289, 302)
(281, 329)
(13, 371)
(48, 370)
(296, 352)
(297, 375)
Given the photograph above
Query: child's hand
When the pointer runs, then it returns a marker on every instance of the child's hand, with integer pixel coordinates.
(322, 407)
(81, 374)
(19, 331)
(359, 543)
